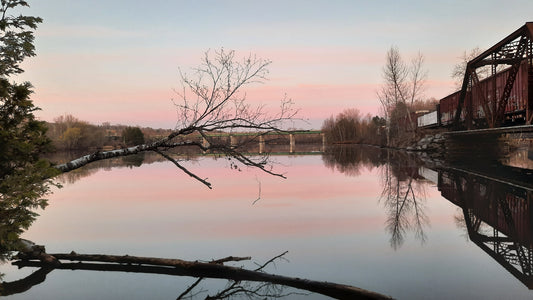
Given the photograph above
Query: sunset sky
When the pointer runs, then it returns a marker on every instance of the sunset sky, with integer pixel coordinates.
(118, 61)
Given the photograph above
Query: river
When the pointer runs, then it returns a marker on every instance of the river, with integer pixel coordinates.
(378, 220)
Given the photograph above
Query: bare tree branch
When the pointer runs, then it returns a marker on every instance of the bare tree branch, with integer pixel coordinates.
(177, 164)
(212, 101)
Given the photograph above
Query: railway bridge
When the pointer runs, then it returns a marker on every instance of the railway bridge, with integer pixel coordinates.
(497, 88)
(505, 95)
(523, 129)
(488, 145)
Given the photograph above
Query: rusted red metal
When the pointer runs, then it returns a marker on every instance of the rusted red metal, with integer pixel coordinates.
(481, 101)
(510, 215)
(508, 210)
(489, 90)
(448, 106)
(512, 51)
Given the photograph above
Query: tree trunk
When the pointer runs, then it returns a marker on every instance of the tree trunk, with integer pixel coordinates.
(213, 269)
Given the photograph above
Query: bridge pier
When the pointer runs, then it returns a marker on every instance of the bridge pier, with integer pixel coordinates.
(277, 142)
(291, 143)
(261, 144)
(205, 142)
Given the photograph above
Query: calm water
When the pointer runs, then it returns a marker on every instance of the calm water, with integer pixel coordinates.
(359, 216)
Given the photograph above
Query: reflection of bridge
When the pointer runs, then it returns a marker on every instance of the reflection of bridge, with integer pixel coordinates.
(498, 216)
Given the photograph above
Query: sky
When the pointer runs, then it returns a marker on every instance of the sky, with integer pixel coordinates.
(118, 61)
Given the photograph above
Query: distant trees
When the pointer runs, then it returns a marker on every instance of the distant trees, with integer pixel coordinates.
(350, 127)
(344, 127)
(401, 95)
(69, 133)
(132, 136)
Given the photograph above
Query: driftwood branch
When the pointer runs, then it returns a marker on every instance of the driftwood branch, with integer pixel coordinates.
(214, 269)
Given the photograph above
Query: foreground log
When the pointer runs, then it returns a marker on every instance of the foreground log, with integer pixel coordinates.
(214, 269)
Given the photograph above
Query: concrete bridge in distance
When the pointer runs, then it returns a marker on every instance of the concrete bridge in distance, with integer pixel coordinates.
(291, 142)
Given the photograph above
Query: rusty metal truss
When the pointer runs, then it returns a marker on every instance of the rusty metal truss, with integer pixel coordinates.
(511, 51)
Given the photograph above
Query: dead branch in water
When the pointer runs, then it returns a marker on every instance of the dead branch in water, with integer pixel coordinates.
(212, 269)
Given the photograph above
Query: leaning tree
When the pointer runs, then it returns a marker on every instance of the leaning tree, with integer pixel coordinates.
(211, 100)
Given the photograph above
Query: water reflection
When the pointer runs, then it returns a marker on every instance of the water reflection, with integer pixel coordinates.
(495, 201)
(485, 200)
(404, 198)
(403, 192)
(497, 216)
(260, 290)
(351, 159)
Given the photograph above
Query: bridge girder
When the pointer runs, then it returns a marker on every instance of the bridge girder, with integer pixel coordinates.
(510, 51)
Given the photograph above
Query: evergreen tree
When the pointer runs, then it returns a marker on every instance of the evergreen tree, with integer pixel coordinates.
(24, 176)
(133, 136)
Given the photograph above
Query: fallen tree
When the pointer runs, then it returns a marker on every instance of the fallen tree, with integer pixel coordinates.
(36, 256)
(211, 101)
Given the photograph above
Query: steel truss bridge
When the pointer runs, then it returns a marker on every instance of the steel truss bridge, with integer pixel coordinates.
(511, 51)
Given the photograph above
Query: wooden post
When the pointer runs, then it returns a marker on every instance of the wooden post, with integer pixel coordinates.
(323, 142)
(232, 140)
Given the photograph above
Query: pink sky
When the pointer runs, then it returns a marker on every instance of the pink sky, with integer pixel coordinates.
(102, 62)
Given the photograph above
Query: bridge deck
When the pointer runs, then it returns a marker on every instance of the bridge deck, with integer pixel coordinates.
(499, 130)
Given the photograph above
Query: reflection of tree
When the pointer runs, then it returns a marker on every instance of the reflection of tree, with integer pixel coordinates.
(252, 290)
(134, 160)
(350, 159)
(403, 194)
(404, 198)
(119, 162)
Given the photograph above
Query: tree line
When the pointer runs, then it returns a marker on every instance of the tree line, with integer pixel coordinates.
(350, 127)
(401, 97)
(70, 133)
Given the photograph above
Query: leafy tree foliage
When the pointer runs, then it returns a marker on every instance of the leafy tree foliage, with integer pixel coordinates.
(16, 37)
(133, 136)
(24, 176)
